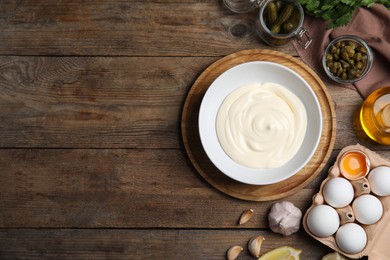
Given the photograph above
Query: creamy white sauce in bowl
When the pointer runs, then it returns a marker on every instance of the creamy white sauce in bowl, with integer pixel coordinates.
(261, 125)
(291, 118)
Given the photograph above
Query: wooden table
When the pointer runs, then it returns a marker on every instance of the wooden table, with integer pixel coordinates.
(92, 161)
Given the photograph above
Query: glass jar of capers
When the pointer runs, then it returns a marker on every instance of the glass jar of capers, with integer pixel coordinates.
(280, 21)
(347, 59)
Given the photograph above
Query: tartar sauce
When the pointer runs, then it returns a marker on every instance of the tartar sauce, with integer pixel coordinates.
(261, 125)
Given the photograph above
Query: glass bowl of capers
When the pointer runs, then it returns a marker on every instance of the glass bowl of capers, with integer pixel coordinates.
(347, 59)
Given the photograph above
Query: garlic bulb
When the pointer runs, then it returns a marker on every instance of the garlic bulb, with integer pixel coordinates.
(284, 218)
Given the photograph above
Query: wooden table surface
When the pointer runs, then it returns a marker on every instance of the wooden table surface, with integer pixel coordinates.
(92, 161)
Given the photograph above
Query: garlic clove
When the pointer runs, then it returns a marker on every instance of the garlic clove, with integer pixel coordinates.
(246, 216)
(254, 245)
(233, 252)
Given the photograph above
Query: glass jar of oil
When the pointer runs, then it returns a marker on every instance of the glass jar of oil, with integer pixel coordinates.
(375, 115)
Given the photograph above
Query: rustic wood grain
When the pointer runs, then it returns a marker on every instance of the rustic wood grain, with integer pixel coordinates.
(125, 28)
(143, 244)
(146, 188)
(91, 158)
(94, 102)
(116, 188)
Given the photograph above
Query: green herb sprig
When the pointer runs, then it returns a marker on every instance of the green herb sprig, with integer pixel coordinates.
(339, 12)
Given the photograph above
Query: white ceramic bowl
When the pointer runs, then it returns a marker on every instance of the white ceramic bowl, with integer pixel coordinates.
(248, 73)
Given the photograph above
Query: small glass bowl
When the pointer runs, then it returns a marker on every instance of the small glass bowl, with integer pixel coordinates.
(347, 59)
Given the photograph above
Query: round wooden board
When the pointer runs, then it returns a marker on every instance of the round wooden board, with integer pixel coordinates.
(216, 178)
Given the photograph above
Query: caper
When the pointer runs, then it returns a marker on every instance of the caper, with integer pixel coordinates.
(345, 55)
(345, 64)
(339, 72)
(350, 47)
(358, 56)
(353, 72)
(332, 49)
(361, 49)
(338, 50)
(344, 76)
(337, 65)
(329, 57)
(359, 65)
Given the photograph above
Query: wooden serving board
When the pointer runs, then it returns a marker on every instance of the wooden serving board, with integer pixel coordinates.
(219, 180)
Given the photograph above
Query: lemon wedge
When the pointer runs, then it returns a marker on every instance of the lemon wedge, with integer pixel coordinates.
(333, 256)
(282, 253)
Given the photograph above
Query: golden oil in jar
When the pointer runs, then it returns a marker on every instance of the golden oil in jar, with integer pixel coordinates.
(375, 115)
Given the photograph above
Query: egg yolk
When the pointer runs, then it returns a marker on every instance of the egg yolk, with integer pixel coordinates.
(353, 165)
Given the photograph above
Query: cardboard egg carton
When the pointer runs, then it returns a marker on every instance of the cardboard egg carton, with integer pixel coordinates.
(378, 234)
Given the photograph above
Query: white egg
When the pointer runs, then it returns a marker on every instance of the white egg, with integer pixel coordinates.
(379, 179)
(338, 192)
(351, 238)
(368, 209)
(323, 221)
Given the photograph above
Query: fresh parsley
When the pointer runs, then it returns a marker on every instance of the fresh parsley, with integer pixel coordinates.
(339, 12)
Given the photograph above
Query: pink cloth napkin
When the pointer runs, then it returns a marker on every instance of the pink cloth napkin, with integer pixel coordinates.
(370, 24)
